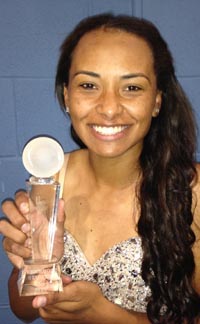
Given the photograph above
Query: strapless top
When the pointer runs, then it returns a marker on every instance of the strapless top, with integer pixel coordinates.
(117, 272)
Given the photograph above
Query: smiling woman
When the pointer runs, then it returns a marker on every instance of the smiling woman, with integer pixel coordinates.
(112, 92)
(131, 196)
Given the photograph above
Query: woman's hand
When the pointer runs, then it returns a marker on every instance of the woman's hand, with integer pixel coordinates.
(11, 227)
(80, 302)
(16, 229)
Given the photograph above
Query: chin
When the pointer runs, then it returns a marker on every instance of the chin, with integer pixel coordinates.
(108, 153)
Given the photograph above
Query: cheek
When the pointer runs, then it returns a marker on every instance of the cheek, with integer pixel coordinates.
(140, 112)
(78, 110)
(142, 123)
(79, 106)
(142, 108)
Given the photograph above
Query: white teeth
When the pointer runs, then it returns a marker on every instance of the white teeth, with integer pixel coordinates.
(105, 130)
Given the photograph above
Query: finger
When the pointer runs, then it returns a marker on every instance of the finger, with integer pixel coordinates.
(20, 197)
(26, 228)
(13, 214)
(56, 316)
(66, 280)
(22, 202)
(69, 294)
(11, 232)
(60, 222)
(51, 298)
(52, 315)
(17, 261)
(61, 213)
(12, 247)
(59, 234)
(39, 301)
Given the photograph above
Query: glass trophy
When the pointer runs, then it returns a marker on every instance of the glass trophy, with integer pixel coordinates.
(42, 157)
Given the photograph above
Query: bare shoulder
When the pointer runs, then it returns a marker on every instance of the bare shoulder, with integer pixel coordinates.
(196, 203)
(196, 228)
(74, 158)
(76, 167)
(77, 155)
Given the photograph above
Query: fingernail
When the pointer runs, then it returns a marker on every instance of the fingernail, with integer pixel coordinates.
(41, 301)
(26, 228)
(28, 243)
(24, 207)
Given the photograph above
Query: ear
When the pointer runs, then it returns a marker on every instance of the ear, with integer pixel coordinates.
(158, 103)
(66, 96)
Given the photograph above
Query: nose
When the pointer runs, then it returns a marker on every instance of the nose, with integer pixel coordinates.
(109, 104)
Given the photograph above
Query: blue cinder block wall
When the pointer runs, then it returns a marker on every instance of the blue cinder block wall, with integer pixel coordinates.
(31, 32)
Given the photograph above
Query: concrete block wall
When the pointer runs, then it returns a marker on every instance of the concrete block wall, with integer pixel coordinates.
(31, 32)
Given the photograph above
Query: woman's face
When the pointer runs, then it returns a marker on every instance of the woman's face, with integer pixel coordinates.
(112, 93)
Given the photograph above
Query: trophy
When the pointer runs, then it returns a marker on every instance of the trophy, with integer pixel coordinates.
(42, 157)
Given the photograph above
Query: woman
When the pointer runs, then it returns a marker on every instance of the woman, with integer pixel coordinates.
(131, 196)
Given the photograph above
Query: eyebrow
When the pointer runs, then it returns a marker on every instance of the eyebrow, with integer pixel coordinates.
(136, 75)
(90, 73)
(124, 77)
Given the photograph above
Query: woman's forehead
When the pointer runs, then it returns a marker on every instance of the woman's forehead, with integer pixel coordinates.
(108, 36)
(112, 46)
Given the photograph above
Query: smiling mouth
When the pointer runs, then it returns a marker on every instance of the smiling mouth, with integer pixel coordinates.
(109, 130)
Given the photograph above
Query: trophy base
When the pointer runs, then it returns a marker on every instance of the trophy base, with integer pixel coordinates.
(39, 278)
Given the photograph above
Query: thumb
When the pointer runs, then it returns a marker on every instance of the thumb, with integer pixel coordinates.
(61, 212)
(66, 279)
(59, 234)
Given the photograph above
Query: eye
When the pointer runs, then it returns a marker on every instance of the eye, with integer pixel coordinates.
(132, 87)
(88, 86)
(130, 90)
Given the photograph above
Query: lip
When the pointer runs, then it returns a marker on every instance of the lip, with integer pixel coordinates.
(109, 132)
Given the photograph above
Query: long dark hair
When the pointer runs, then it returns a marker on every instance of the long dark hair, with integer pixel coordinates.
(167, 163)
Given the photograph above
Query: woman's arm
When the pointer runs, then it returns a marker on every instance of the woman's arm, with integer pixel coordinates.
(196, 229)
(83, 302)
(113, 314)
(77, 308)
(80, 302)
(21, 306)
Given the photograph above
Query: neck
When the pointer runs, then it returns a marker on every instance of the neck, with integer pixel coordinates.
(119, 172)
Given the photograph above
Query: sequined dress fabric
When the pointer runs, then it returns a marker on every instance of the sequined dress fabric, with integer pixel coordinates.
(117, 272)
